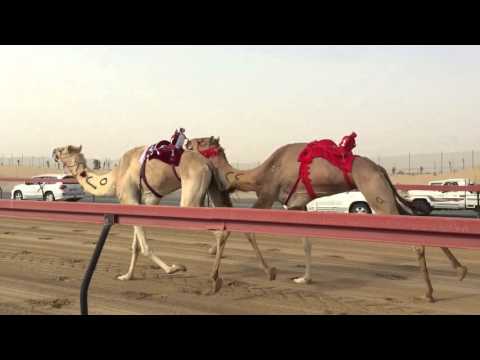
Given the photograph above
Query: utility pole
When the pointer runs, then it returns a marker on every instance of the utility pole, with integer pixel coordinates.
(441, 163)
(409, 165)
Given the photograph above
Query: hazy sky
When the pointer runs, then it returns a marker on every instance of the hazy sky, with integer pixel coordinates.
(111, 98)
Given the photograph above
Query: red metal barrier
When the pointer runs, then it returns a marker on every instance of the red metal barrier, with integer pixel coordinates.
(429, 231)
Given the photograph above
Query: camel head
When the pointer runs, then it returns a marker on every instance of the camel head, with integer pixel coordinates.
(203, 144)
(70, 156)
(210, 148)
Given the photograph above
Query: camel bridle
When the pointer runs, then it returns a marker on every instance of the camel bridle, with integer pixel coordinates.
(214, 151)
(72, 164)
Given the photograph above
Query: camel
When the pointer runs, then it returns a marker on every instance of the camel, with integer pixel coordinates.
(277, 179)
(193, 175)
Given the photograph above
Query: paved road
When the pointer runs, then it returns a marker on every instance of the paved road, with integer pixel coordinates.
(174, 200)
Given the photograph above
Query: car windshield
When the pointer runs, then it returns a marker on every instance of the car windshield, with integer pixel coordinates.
(451, 183)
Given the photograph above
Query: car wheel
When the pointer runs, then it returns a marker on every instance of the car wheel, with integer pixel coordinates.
(49, 197)
(421, 207)
(17, 195)
(360, 208)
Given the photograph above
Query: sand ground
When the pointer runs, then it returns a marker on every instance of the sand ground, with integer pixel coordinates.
(42, 264)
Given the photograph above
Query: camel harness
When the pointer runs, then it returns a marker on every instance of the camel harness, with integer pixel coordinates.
(339, 156)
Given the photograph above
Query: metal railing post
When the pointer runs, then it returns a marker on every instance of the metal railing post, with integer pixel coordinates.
(109, 221)
(477, 208)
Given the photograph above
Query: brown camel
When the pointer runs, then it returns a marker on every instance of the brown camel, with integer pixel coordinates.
(194, 178)
(274, 179)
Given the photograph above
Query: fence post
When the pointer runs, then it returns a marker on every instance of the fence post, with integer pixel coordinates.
(441, 163)
(409, 165)
(109, 221)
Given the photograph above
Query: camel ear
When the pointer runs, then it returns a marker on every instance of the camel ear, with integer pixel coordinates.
(217, 140)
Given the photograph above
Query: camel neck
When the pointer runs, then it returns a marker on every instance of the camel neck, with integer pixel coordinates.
(242, 180)
(93, 182)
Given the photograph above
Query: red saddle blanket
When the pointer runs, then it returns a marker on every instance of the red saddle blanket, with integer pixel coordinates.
(340, 156)
(164, 151)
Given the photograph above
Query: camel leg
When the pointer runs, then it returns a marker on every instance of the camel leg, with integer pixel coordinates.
(133, 261)
(270, 271)
(371, 180)
(216, 280)
(131, 197)
(212, 250)
(307, 278)
(420, 251)
(219, 199)
(298, 202)
(264, 201)
(193, 195)
(148, 253)
(150, 199)
(461, 270)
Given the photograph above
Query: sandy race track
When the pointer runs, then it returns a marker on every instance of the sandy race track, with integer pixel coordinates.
(42, 264)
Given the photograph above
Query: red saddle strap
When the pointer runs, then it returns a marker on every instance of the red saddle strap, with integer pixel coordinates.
(176, 174)
(143, 177)
(307, 181)
(340, 156)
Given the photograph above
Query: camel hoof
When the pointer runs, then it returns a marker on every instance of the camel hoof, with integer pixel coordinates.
(302, 280)
(176, 268)
(272, 273)
(216, 284)
(212, 250)
(125, 277)
(462, 272)
(429, 298)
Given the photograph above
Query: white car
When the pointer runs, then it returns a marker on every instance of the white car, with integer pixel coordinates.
(49, 187)
(444, 200)
(347, 202)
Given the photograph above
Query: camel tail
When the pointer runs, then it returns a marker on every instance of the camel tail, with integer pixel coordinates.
(404, 206)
